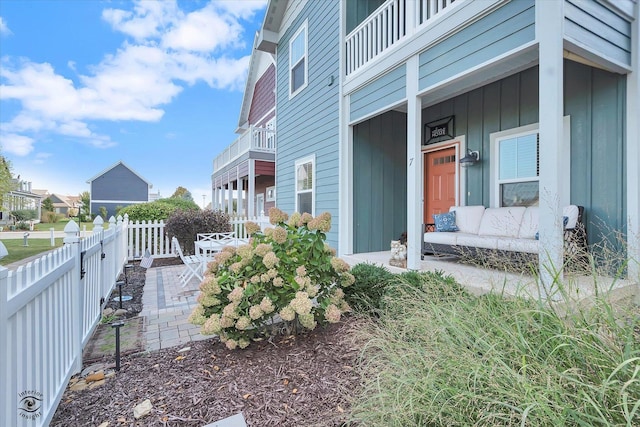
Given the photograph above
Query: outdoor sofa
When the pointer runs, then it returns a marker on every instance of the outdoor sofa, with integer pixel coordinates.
(508, 231)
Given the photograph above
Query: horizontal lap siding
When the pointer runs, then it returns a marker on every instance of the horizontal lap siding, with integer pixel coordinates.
(264, 99)
(505, 29)
(597, 28)
(265, 168)
(386, 91)
(119, 183)
(309, 123)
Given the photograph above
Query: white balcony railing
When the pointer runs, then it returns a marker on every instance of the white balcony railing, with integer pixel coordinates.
(256, 139)
(393, 21)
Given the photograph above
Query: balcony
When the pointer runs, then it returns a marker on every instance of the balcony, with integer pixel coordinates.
(390, 24)
(255, 139)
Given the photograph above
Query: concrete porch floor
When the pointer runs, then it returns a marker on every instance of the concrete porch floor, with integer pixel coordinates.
(479, 281)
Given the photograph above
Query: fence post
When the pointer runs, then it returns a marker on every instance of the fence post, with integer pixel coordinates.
(98, 224)
(8, 401)
(72, 237)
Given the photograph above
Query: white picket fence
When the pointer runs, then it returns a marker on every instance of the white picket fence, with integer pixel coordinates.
(50, 307)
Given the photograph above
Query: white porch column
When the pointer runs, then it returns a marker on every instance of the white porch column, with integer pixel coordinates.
(345, 157)
(549, 30)
(633, 157)
(251, 196)
(215, 199)
(241, 197)
(229, 196)
(414, 167)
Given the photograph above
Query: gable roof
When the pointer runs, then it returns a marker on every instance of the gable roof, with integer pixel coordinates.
(258, 64)
(268, 36)
(90, 180)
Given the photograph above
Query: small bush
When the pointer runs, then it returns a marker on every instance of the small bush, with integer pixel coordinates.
(159, 210)
(23, 226)
(185, 225)
(288, 271)
(365, 295)
(24, 214)
(51, 217)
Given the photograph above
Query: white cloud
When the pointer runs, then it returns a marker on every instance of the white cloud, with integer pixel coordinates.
(168, 50)
(4, 29)
(41, 158)
(242, 9)
(146, 20)
(204, 30)
(19, 145)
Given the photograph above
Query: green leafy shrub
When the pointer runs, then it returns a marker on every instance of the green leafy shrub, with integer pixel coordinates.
(186, 224)
(24, 214)
(23, 226)
(158, 210)
(287, 270)
(365, 295)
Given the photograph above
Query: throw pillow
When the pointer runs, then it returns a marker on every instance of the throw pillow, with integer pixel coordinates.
(446, 221)
(565, 221)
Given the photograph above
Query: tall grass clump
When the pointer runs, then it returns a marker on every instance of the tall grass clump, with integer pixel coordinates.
(438, 356)
(371, 281)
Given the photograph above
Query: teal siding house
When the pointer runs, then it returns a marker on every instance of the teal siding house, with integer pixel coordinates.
(378, 101)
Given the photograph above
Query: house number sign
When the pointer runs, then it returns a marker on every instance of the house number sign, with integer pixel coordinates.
(439, 130)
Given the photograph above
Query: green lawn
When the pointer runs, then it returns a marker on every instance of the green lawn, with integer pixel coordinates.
(17, 251)
(57, 226)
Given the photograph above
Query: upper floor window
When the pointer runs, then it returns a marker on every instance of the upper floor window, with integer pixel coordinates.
(298, 61)
(305, 185)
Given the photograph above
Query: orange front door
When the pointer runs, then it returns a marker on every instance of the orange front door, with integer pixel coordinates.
(440, 182)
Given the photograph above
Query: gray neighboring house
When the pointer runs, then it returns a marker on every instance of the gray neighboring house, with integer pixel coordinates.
(117, 186)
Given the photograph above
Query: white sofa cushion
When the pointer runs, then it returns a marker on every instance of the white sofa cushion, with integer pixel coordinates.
(486, 242)
(443, 238)
(517, 244)
(529, 224)
(468, 218)
(502, 222)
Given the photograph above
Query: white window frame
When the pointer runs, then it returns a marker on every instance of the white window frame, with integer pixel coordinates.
(495, 139)
(303, 28)
(271, 193)
(308, 159)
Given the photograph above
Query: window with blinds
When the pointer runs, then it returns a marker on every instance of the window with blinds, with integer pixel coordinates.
(518, 169)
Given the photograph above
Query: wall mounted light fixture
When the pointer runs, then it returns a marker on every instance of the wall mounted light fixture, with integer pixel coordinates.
(470, 159)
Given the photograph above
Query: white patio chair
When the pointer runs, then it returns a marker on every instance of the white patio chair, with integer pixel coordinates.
(192, 263)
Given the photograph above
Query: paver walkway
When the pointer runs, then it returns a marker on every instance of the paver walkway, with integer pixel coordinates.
(166, 307)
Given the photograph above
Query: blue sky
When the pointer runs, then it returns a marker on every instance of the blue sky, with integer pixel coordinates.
(156, 84)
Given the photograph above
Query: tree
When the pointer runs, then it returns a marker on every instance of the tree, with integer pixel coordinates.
(85, 210)
(182, 193)
(7, 183)
(47, 204)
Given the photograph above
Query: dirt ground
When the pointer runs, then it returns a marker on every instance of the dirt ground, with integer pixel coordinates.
(304, 380)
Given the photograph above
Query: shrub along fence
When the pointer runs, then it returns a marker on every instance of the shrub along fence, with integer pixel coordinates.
(50, 307)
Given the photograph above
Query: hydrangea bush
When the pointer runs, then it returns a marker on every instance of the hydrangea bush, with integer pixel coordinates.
(285, 274)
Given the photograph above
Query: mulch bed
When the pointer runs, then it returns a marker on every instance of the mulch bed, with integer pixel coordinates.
(304, 380)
